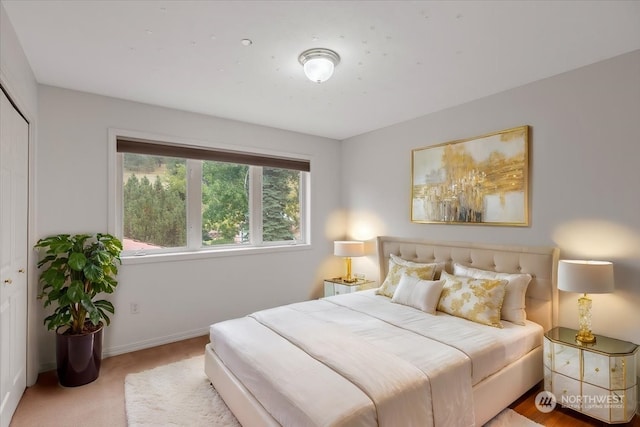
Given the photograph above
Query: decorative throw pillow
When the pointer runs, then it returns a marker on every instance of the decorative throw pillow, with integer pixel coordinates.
(513, 307)
(439, 265)
(417, 293)
(397, 267)
(478, 300)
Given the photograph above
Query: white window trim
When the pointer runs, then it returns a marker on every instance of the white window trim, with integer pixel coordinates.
(255, 197)
(194, 208)
(115, 203)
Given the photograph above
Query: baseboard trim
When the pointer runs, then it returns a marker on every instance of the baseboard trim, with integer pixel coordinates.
(139, 345)
(154, 342)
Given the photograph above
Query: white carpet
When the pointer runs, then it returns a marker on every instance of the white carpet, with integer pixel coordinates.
(180, 394)
(510, 418)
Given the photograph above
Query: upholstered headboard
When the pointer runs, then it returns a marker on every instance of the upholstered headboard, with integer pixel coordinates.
(540, 262)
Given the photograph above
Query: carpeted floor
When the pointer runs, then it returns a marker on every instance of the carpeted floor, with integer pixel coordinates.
(180, 394)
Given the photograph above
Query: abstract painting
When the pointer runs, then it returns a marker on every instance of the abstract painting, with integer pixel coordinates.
(480, 180)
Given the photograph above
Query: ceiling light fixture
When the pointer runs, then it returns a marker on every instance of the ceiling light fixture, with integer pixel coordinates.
(319, 63)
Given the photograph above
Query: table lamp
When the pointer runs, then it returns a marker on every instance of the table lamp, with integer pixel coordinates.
(585, 277)
(348, 249)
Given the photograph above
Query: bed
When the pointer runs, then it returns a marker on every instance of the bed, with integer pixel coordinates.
(359, 359)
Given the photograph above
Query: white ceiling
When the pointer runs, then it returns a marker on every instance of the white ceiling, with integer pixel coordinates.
(400, 59)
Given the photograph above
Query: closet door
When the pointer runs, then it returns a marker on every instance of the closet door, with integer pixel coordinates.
(14, 146)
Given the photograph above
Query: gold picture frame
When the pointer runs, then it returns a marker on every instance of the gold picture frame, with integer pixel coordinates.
(482, 180)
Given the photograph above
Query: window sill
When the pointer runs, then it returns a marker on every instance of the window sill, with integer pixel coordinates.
(210, 253)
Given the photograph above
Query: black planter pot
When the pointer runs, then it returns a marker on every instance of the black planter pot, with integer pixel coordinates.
(78, 357)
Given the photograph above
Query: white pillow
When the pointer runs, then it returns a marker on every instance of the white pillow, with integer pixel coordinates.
(417, 293)
(513, 306)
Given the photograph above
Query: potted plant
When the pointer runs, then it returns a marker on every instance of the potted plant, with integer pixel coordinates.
(76, 268)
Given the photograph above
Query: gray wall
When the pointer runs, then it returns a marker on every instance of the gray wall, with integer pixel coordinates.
(15, 72)
(180, 298)
(585, 173)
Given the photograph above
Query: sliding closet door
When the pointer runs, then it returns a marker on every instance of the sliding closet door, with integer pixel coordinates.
(14, 147)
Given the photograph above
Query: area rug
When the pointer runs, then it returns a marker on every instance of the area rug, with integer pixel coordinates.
(180, 394)
(510, 418)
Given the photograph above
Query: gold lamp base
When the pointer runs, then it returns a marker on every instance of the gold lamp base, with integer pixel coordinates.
(584, 334)
(348, 278)
(585, 337)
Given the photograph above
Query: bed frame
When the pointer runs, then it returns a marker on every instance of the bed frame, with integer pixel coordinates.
(492, 394)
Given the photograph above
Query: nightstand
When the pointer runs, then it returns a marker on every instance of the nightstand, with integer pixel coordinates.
(337, 286)
(596, 379)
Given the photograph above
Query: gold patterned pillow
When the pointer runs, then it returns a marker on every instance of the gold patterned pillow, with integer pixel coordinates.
(513, 307)
(398, 267)
(439, 265)
(478, 300)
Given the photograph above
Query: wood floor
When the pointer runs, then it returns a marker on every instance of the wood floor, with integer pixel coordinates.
(560, 416)
(101, 403)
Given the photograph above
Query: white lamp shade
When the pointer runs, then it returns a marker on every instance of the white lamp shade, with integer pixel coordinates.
(318, 69)
(588, 277)
(347, 248)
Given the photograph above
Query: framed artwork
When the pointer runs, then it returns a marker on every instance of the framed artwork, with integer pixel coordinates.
(480, 180)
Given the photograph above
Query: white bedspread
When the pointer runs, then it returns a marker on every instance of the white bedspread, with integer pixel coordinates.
(360, 360)
(489, 348)
(399, 390)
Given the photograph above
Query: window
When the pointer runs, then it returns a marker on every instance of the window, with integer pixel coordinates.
(154, 202)
(177, 198)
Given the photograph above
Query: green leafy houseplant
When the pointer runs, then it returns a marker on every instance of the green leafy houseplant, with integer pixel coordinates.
(76, 269)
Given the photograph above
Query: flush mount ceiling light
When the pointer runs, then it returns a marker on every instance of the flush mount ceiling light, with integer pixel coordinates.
(319, 63)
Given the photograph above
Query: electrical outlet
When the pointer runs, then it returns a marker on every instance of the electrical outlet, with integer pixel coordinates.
(135, 308)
